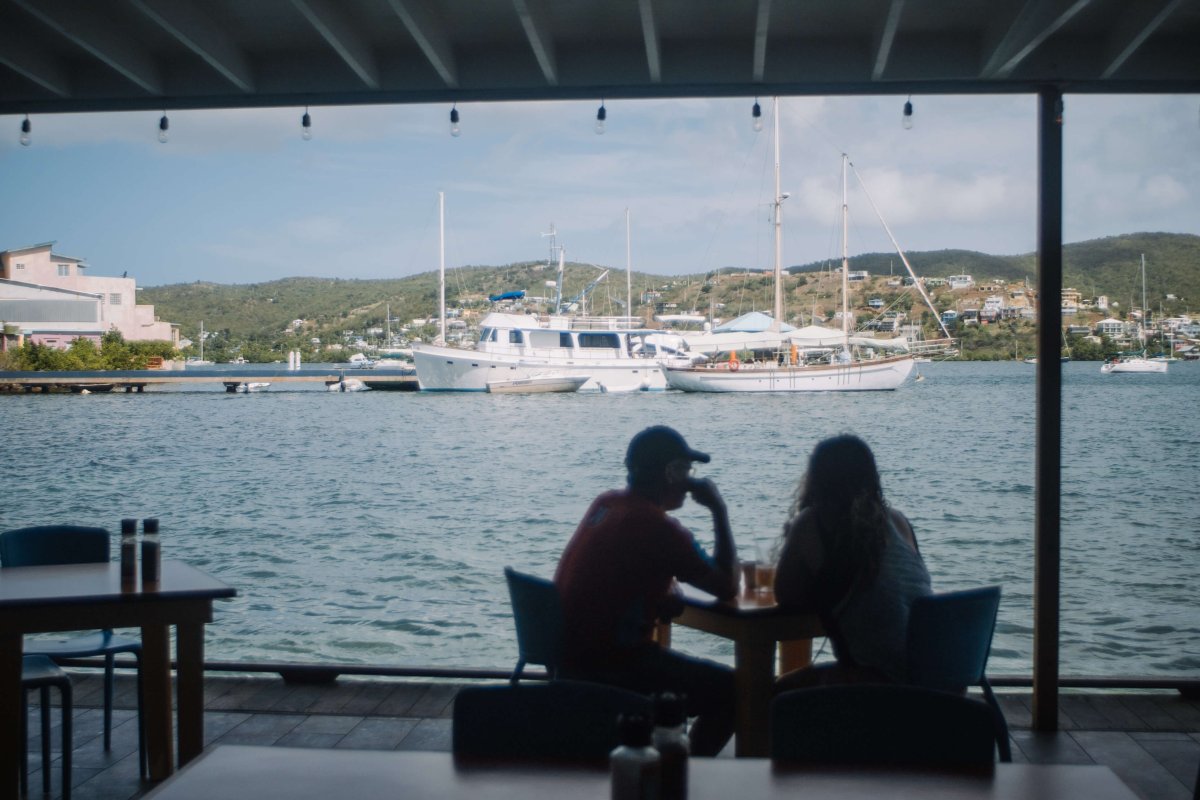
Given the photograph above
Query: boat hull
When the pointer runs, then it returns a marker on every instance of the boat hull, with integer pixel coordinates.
(864, 376)
(1134, 365)
(449, 369)
(541, 385)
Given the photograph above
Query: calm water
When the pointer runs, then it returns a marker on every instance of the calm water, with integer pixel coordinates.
(372, 527)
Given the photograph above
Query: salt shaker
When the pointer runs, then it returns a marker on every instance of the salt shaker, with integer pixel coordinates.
(635, 765)
(151, 552)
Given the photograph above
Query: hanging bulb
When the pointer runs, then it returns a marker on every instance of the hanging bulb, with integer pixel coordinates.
(163, 125)
(906, 121)
(26, 128)
(601, 116)
(756, 114)
(455, 128)
(306, 126)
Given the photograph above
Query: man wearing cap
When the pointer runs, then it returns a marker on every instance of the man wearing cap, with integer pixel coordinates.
(617, 579)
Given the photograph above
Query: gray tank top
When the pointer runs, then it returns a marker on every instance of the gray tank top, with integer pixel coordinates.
(873, 618)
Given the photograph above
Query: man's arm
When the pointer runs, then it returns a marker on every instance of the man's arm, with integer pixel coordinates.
(723, 580)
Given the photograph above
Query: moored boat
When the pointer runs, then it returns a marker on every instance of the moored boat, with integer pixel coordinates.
(538, 385)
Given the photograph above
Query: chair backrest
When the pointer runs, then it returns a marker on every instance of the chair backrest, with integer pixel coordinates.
(571, 721)
(878, 725)
(950, 636)
(53, 544)
(538, 616)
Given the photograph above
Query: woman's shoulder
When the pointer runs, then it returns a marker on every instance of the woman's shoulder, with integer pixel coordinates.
(902, 526)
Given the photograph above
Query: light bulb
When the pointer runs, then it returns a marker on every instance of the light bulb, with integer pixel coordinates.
(306, 127)
(601, 116)
(163, 126)
(907, 120)
(756, 113)
(455, 128)
(26, 128)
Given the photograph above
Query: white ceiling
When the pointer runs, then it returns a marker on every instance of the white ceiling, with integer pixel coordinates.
(88, 55)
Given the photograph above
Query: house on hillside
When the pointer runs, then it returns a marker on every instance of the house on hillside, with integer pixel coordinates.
(50, 300)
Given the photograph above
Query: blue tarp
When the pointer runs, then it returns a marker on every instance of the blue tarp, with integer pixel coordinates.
(517, 295)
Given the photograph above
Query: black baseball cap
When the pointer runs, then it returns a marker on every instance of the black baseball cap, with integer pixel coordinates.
(657, 446)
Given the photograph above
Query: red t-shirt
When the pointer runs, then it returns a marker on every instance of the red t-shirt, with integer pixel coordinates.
(615, 576)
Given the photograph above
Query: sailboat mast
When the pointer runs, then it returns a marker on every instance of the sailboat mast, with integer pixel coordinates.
(441, 267)
(628, 273)
(845, 256)
(1145, 311)
(777, 324)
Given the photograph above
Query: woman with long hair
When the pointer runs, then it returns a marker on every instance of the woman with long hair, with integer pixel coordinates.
(851, 558)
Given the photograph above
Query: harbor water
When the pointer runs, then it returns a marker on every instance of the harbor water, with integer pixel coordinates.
(373, 527)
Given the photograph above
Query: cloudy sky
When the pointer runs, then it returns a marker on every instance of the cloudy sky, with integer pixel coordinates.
(238, 197)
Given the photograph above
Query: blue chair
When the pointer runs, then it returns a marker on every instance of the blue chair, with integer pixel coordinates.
(949, 638)
(39, 672)
(76, 544)
(538, 616)
(562, 721)
(881, 726)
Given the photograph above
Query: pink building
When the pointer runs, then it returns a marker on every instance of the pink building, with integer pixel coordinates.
(51, 301)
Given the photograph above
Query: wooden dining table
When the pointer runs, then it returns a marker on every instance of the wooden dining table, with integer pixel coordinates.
(236, 772)
(85, 596)
(756, 625)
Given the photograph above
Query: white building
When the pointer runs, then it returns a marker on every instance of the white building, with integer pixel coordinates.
(50, 299)
(960, 281)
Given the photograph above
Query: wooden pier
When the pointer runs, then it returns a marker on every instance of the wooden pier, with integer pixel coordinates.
(387, 378)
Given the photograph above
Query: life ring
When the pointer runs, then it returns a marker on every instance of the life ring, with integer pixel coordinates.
(734, 366)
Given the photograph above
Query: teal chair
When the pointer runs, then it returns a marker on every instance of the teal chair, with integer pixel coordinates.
(875, 725)
(949, 639)
(560, 721)
(538, 617)
(39, 672)
(76, 544)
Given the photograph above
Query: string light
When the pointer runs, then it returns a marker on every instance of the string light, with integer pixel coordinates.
(306, 126)
(601, 116)
(906, 121)
(163, 125)
(455, 129)
(26, 129)
(756, 114)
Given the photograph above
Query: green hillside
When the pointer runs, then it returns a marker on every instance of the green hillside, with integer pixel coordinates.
(257, 318)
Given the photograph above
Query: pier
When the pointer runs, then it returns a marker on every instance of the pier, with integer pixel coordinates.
(136, 380)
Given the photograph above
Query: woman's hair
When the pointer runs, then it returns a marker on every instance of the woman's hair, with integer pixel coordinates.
(842, 490)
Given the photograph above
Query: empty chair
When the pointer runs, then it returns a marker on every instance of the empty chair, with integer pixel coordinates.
(538, 616)
(39, 672)
(571, 721)
(76, 544)
(949, 638)
(881, 725)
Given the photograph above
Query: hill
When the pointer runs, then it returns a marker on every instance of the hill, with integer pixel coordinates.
(261, 314)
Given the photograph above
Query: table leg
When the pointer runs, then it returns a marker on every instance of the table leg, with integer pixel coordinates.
(189, 659)
(10, 714)
(156, 694)
(755, 682)
(794, 654)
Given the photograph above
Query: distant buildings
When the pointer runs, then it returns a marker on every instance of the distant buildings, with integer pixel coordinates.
(49, 300)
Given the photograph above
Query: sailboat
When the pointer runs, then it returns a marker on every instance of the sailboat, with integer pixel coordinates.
(194, 361)
(842, 364)
(1136, 362)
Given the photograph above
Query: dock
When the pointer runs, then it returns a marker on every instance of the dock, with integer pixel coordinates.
(133, 381)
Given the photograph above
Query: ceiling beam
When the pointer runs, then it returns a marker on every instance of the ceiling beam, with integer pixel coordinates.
(1036, 23)
(337, 32)
(82, 26)
(887, 38)
(430, 36)
(195, 31)
(538, 34)
(32, 63)
(1139, 21)
(650, 36)
(762, 29)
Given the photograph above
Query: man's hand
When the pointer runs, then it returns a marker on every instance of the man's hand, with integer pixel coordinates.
(704, 492)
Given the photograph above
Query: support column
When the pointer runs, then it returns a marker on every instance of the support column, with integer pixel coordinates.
(1048, 480)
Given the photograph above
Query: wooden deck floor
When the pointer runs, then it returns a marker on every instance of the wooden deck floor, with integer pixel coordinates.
(1151, 739)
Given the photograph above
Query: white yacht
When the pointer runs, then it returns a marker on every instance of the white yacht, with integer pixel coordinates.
(522, 347)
